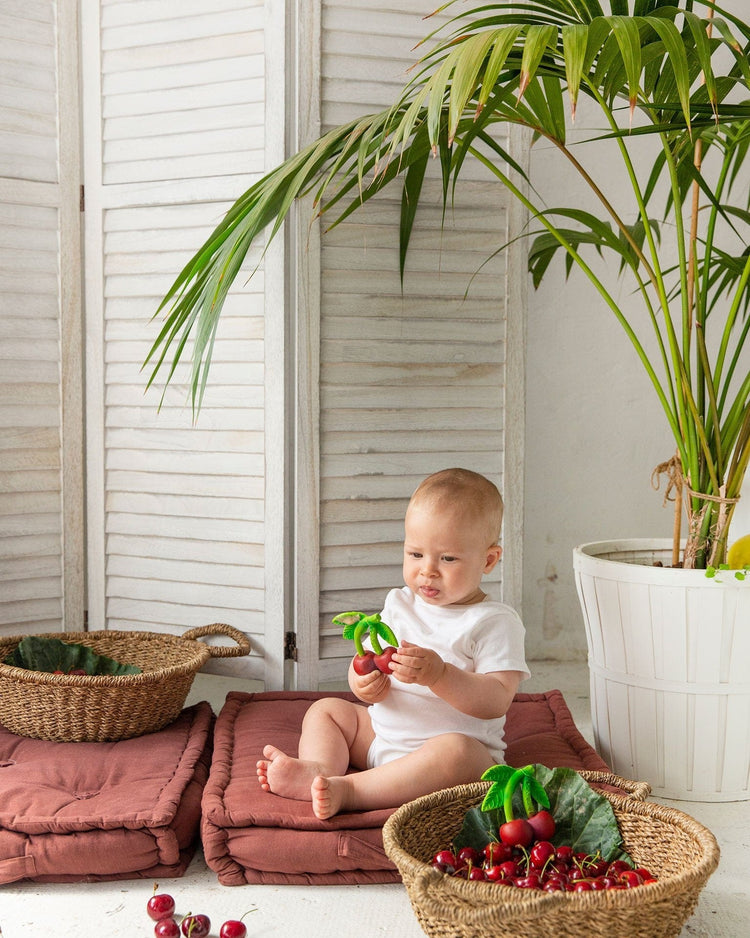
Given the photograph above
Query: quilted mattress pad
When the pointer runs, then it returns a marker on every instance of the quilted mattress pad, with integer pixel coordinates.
(253, 836)
(72, 812)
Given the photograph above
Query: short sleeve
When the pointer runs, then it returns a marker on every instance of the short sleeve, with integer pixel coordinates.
(499, 642)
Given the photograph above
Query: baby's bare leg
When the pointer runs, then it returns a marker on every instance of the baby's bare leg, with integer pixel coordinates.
(335, 733)
(444, 761)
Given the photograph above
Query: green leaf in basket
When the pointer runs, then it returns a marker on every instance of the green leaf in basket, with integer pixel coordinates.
(36, 653)
(584, 819)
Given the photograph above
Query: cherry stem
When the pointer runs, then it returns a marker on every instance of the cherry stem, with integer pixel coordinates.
(528, 803)
(359, 632)
(376, 646)
(510, 786)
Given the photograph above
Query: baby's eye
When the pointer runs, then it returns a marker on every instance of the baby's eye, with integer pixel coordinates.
(448, 559)
(413, 553)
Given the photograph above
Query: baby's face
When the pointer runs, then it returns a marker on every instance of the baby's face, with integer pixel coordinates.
(445, 557)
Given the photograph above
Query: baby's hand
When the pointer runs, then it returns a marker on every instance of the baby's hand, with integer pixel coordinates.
(371, 687)
(414, 665)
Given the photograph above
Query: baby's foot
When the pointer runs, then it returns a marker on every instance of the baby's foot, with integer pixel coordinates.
(284, 775)
(327, 796)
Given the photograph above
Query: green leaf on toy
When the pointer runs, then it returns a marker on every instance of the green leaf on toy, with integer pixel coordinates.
(35, 653)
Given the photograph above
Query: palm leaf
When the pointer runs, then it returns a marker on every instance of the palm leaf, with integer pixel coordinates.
(538, 41)
(626, 32)
(575, 41)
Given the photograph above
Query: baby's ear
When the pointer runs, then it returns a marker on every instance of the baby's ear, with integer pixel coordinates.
(493, 555)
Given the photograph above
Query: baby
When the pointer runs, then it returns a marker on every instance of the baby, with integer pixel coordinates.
(437, 719)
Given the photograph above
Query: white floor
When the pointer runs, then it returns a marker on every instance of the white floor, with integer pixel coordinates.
(117, 910)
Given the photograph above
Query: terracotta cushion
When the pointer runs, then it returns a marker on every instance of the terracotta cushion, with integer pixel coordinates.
(252, 836)
(72, 812)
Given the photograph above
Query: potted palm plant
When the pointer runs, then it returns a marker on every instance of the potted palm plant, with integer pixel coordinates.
(672, 75)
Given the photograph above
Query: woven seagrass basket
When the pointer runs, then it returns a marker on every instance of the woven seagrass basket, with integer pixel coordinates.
(98, 708)
(680, 851)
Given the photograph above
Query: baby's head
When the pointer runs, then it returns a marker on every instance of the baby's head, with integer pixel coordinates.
(465, 494)
(452, 528)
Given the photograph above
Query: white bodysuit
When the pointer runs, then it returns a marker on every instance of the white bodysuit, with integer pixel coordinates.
(482, 637)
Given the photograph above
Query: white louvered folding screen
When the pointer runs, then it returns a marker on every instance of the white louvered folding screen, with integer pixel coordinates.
(331, 393)
(41, 524)
(175, 130)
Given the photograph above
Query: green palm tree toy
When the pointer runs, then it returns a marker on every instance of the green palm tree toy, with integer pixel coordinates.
(356, 626)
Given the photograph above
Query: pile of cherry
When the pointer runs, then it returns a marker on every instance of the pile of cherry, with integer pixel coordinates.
(161, 908)
(540, 866)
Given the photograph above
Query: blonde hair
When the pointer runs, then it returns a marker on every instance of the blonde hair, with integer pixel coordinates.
(472, 492)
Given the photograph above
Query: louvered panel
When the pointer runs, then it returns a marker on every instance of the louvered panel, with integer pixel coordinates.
(182, 89)
(178, 507)
(411, 381)
(28, 91)
(31, 535)
(184, 501)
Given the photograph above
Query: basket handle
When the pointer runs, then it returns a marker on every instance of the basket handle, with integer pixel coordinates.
(637, 791)
(221, 651)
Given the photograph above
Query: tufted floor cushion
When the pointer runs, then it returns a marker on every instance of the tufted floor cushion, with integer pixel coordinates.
(252, 836)
(72, 812)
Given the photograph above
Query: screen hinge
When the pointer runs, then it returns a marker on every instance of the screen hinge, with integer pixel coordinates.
(290, 646)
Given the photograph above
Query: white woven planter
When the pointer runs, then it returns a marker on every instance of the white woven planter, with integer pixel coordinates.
(669, 662)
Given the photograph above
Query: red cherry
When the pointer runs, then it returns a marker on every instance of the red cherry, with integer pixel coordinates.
(564, 853)
(468, 856)
(445, 860)
(517, 833)
(541, 853)
(616, 867)
(160, 906)
(383, 662)
(364, 664)
(233, 929)
(597, 868)
(553, 885)
(509, 869)
(195, 926)
(496, 852)
(630, 878)
(167, 928)
(543, 824)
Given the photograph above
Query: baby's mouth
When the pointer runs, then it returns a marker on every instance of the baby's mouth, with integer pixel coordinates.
(429, 592)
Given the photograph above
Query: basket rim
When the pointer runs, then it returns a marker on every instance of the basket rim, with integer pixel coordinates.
(531, 901)
(199, 653)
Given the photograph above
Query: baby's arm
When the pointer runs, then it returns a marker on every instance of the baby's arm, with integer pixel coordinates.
(485, 696)
(370, 688)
